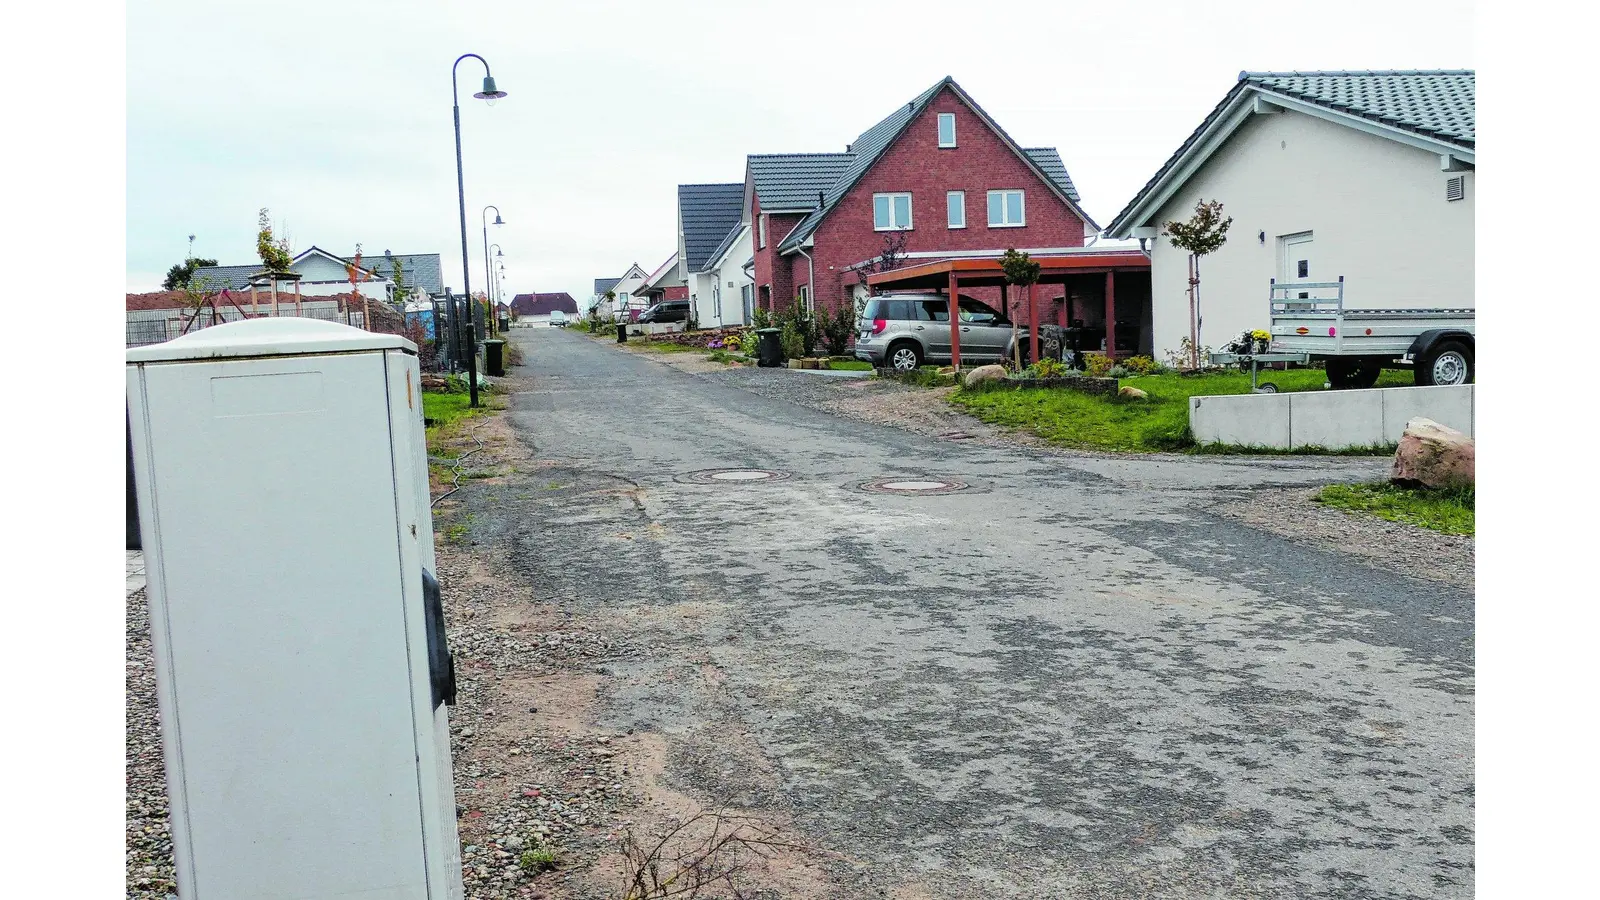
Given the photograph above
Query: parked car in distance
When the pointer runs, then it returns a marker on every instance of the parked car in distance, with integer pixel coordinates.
(904, 331)
(667, 311)
(558, 319)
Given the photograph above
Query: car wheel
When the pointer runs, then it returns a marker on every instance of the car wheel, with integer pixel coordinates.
(904, 357)
(1448, 363)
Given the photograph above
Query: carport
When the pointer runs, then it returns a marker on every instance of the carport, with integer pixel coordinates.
(1071, 270)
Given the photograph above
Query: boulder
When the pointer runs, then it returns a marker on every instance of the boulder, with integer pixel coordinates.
(1433, 455)
(1131, 393)
(983, 373)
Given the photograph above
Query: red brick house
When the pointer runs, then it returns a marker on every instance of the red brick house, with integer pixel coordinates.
(938, 171)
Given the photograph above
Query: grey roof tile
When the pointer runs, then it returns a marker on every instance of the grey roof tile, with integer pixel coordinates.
(232, 277)
(601, 285)
(791, 181)
(1439, 103)
(721, 248)
(707, 211)
(1048, 160)
(420, 270)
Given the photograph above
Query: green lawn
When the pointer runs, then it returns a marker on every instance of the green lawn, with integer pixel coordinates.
(1073, 419)
(851, 365)
(445, 410)
(1448, 511)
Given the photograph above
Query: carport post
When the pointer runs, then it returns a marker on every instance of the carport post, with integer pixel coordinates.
(1111, 314)
(955, 322)
(1033, 325)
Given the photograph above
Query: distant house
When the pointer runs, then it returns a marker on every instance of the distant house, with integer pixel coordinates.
(1365, 176)
(663, 284)
(710, 229)
(622, 288)
(938, 172)
(323, 273)
(534, 305)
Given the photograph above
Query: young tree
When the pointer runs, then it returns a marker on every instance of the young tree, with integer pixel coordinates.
(1205, 232)
(1022, 271)
(274, 252)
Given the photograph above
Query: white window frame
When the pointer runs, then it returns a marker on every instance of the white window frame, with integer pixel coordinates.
(910, 217)
(943, 117)
(948, 195)
(1022, 203)
(763, 231)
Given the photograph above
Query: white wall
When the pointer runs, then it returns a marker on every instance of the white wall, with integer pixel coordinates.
(700, 286)
(1376, 209)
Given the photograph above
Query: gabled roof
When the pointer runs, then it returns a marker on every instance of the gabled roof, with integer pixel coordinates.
(1049, 161)
(314, 250)
(875, 140)
(790, 182)
(728, 240)
(234, 277)
(662, 273)
(420, 270)
(706, 212)
(543, 304)
(1433, 109)
(601, 285)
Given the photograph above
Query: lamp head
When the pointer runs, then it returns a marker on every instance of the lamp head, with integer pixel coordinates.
(489, 92)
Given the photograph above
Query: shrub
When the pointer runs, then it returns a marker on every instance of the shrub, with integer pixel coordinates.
(837, 326)
(1118, 372)
(760, 318)
(1046, 368)
(748, 342)
(1141, 365)
(1096, 365)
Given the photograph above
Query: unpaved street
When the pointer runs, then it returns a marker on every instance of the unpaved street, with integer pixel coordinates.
(1056, 675)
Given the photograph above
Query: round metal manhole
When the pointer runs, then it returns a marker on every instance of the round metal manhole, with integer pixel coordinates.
(913, 486)
(731, 476)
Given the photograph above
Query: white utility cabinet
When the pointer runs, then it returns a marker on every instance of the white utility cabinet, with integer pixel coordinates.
(301, 664)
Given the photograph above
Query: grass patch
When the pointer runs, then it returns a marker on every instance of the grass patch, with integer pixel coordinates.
(1160, 423)
(1445, 511)
(850, 365)
(446, 410)
(539, 859)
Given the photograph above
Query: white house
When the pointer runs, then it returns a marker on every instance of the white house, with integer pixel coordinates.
(324, 274)
(621, 288)
(725, 282)
(710, 224)
(1366, 176)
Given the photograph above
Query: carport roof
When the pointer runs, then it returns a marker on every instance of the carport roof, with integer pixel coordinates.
(988, 273)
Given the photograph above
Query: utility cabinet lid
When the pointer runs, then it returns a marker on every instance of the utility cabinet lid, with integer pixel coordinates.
(280, 336)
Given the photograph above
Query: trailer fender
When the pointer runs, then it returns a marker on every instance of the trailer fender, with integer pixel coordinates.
(1426, 340)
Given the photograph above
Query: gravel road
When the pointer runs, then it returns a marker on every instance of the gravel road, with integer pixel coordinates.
(1080, 676)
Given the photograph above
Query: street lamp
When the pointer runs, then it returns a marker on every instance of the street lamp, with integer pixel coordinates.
(488, 276)
(494, 283)
(490, 93)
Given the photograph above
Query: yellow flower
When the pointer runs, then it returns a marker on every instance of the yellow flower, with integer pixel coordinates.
(1260, 335)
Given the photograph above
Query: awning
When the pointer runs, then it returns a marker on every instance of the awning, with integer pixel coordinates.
(988, 273)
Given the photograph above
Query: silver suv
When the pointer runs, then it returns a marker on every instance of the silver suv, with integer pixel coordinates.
(904, 331)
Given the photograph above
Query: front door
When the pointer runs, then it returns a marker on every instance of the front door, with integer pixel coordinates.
(1296, 262)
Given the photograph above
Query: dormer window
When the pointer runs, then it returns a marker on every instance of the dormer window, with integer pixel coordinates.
(947, 129)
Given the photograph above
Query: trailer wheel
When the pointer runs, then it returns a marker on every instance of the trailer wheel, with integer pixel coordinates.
(1353, 373)
(1446, 363)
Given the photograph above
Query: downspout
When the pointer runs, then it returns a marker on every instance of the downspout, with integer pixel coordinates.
(811, 278)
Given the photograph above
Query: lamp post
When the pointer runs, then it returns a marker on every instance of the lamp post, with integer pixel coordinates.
(490, 93)
(488, 274)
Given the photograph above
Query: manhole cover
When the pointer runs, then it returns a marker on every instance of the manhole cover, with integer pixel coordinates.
(730, 476)
(913, 486)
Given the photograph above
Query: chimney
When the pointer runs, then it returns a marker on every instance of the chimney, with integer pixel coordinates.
(819, 199)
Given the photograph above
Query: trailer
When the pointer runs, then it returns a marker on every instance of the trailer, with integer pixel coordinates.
(1310, 323)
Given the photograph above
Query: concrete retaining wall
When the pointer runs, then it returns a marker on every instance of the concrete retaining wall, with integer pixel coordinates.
(1331, 419)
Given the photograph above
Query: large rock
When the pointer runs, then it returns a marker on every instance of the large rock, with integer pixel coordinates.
(982, 374)
(1433, 455)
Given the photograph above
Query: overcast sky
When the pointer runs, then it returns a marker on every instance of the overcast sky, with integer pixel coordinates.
(336, 116)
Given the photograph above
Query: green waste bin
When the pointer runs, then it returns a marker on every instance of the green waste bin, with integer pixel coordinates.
(494, 359)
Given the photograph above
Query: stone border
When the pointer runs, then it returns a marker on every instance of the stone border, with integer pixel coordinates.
(709, 476)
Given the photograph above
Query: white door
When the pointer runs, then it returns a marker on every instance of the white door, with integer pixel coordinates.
(1297, 263)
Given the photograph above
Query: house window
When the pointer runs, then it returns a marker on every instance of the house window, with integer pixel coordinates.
(716, 299)
(763, 231)
(956, 208)
(891, 212)
(947, 129)
(805, 298)
(1005, 209)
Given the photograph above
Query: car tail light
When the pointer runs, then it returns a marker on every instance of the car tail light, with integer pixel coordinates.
(878, 325)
